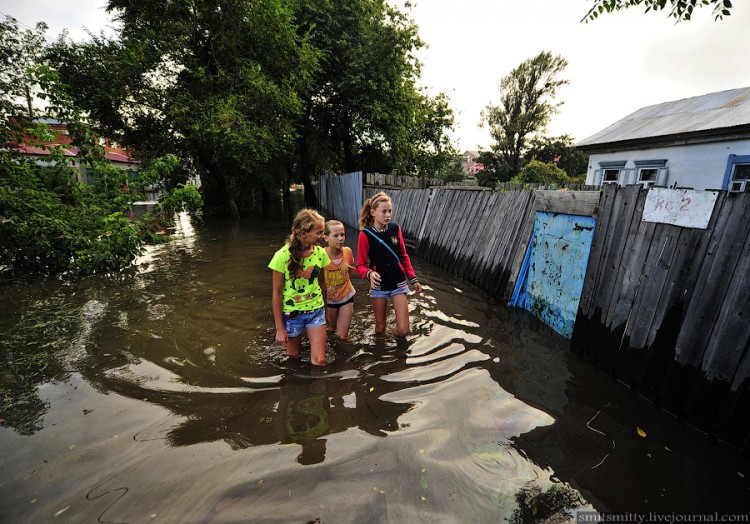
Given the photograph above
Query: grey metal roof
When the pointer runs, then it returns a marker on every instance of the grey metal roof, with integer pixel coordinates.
(713, 111)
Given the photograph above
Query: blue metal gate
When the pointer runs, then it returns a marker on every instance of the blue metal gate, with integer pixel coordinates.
(550, 281)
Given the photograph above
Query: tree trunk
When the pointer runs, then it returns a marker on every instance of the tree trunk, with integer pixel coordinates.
(347, 143)
(230, 206)
(306, 172)
(265, 202)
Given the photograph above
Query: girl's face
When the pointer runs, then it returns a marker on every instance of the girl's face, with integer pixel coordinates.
(382, 214)
(309, 238)
(336, 237)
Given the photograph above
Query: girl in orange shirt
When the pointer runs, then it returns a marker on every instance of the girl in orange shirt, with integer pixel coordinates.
(340, 303)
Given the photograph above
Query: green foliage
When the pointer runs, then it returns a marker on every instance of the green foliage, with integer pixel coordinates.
(182, 198)
(50, 223)
(453, 171)
(525, 108)
(537, 506)
(365, 111)
(679, 9)
(559, 151)
(536, 172)
(216, 83)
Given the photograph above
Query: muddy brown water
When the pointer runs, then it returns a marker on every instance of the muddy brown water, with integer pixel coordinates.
(170, 402)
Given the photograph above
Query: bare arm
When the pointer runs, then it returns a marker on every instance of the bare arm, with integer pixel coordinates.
(278, 316)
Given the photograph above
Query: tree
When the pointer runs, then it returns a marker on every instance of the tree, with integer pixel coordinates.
(21, 75)
(525, 108)
(560, 152)
(536, 172)
(453, 171)
(679, 9)
(216, 83)
(494, 169)
(49, 223)
(364, 111)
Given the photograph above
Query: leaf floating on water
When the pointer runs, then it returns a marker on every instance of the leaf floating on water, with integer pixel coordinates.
(72, 446)
(382, 492)
(372, 389)
(648, 455)
(60, 512)
(741, 474)
(422, 498)
(641, 433)
(667, 448)
(153, 515)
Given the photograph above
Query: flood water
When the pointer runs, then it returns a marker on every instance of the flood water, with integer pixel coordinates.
(165, 399)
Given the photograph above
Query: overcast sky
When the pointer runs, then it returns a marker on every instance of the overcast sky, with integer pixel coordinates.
(617, 64)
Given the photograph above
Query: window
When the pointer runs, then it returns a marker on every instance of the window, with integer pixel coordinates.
(648, 174)
(737, 174)
(611, 175)
(611, 172)
(652, 172)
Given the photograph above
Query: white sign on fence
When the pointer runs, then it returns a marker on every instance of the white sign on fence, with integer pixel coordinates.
(680, 207)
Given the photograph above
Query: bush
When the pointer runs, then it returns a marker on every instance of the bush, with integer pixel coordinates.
(536, 172)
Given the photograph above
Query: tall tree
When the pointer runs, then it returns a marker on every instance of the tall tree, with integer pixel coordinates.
(526, 106)
(215, 81)
(364, 110)
(679, 9)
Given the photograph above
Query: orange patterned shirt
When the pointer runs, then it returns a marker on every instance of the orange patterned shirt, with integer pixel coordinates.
(340, 288)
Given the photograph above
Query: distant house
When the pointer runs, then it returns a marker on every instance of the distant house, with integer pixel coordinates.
(470, 164)
(113, 152)
(700, 143)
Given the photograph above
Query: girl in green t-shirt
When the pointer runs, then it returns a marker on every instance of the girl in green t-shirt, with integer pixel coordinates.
(299, 289)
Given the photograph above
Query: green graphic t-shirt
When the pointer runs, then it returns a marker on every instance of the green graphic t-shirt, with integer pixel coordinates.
(301, 291)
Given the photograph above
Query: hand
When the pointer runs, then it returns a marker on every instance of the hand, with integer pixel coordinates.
(282, 337)
(417, 288)
(374, 280)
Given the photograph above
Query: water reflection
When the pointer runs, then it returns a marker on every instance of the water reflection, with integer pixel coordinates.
(464, 420)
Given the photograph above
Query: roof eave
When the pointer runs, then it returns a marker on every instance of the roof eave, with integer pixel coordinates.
(677, 139)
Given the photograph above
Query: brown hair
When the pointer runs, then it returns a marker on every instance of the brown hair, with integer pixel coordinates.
(303, 223)
(330, 224)
(365, 218)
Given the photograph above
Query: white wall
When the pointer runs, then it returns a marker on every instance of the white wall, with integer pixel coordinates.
(698, 166)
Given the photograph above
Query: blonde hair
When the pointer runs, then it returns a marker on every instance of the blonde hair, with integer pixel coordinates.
(330, 224)
(302, 223)
(365, 218)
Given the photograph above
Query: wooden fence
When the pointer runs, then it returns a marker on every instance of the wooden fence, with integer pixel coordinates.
(477, 235)
(340, 197)
(665, 309)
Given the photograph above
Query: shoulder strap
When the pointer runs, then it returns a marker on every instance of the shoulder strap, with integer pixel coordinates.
(373, 235)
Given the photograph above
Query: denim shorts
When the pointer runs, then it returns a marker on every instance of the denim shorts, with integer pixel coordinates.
(376, 293)
(296, 321)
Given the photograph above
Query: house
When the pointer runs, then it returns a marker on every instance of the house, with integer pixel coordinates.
(701, 142)
(470, 165)
(114, 153)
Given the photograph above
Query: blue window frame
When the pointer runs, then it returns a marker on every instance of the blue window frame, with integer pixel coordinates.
(733, 161)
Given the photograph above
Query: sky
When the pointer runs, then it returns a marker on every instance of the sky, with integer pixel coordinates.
(616, 64)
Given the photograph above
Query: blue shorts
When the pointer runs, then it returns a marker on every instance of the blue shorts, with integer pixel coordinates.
(376, 293)
(296, 321)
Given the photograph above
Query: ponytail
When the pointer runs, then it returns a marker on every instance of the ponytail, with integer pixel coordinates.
(365, 218)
